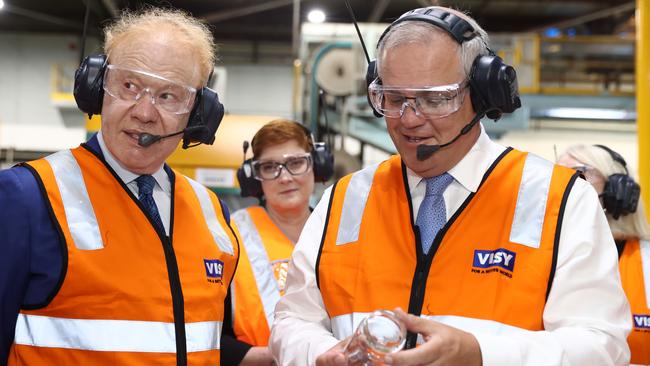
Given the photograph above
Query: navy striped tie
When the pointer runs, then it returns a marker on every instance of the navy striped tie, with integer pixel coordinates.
(146, 183)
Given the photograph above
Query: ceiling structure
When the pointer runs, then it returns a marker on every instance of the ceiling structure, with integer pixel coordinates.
(271, 20)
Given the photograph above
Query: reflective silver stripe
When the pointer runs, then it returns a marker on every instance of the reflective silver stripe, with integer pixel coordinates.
(645, 264)
(217, 231)
(267, 286)
(79, 212)
(344, 325)
(354, 203)
(531, 202)
(113, 335)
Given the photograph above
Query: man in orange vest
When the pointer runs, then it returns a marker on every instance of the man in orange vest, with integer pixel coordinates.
(110, 257)
(499, 256)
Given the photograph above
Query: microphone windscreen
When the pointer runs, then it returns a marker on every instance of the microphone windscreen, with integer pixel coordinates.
(146, 139)
(425, 151)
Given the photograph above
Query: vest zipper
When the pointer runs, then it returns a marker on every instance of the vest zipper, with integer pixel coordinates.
(178, 304)
(417, 298)
(177, 301)
(418, 285)
(420, 277)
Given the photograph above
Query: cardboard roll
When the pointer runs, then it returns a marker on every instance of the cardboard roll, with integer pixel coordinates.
(335, 72)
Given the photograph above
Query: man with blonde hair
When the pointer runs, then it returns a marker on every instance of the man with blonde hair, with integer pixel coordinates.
(499, 256)
(110, 257)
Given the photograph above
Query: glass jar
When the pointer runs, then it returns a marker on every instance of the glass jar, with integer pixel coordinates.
(377, 335)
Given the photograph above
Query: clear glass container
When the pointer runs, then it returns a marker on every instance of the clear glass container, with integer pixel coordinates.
(377, 335)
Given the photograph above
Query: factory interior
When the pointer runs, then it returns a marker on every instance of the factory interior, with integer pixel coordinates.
(577, 70)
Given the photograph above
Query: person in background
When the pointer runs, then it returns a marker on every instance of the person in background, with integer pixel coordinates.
(109, 256)
(499, 256)
(283, 175)
(619, 194)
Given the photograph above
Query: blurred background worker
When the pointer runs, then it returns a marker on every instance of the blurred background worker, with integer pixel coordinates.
(607, 171)
(109, 256)
(281, 174)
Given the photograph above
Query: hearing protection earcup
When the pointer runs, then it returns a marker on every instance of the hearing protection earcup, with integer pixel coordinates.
(249, 186)
(89, 84)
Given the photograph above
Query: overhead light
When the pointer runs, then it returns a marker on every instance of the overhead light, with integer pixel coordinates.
(2, 4)
(590, 113)
(314, 16)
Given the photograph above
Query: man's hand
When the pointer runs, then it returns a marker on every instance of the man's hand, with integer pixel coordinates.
(444, 345)
(334, 356)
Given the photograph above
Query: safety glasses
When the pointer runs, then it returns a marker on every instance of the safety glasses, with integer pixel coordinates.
(294, 164)
(429, 102)
(131, 85)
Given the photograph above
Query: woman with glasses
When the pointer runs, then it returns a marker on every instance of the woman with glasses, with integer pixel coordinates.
(282, 164)
(607, 172)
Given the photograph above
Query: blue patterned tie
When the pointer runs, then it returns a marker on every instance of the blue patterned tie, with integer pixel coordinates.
(146, 183)
(432, 214)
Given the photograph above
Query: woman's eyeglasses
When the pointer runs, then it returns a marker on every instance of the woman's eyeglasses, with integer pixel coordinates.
(270, 170)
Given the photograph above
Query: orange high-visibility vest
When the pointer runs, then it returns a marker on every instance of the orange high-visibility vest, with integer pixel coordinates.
(130, 295)
(634, 265)
(490, 267)
(261, 275)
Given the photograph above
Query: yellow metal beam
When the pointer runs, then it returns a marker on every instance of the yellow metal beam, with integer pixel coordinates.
(643, 94)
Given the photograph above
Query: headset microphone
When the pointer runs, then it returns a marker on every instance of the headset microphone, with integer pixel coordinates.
(425, 151)
(147, 139)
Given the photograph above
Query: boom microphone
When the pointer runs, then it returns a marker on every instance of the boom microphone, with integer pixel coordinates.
(147, 139)
(425, 151)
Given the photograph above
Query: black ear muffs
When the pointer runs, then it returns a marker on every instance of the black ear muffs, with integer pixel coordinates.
(321, 157)
(89, 84)
(207, 114)
(493, 83)
(371, 75)
(322, 167)
(204, 119)
(249, 186)
(493, 87)
(621, 193)
(322, 162)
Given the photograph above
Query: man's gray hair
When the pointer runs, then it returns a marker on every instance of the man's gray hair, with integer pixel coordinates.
(420, 32)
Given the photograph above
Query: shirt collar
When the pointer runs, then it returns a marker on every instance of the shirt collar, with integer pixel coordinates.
(469, 171)
(125, 175)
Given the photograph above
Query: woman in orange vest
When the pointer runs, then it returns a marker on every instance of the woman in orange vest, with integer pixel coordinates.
(607, 171)
(281, 174)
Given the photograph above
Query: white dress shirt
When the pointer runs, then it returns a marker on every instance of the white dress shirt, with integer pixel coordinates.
(586, 318)
(162, 192)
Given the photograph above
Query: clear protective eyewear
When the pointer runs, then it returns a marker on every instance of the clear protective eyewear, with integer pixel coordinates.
(270, 170)
(131, 85)
(430, 102)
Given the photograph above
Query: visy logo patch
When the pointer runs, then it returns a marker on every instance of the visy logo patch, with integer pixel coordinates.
(641, 321)
(213, 269)
(502, 258)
